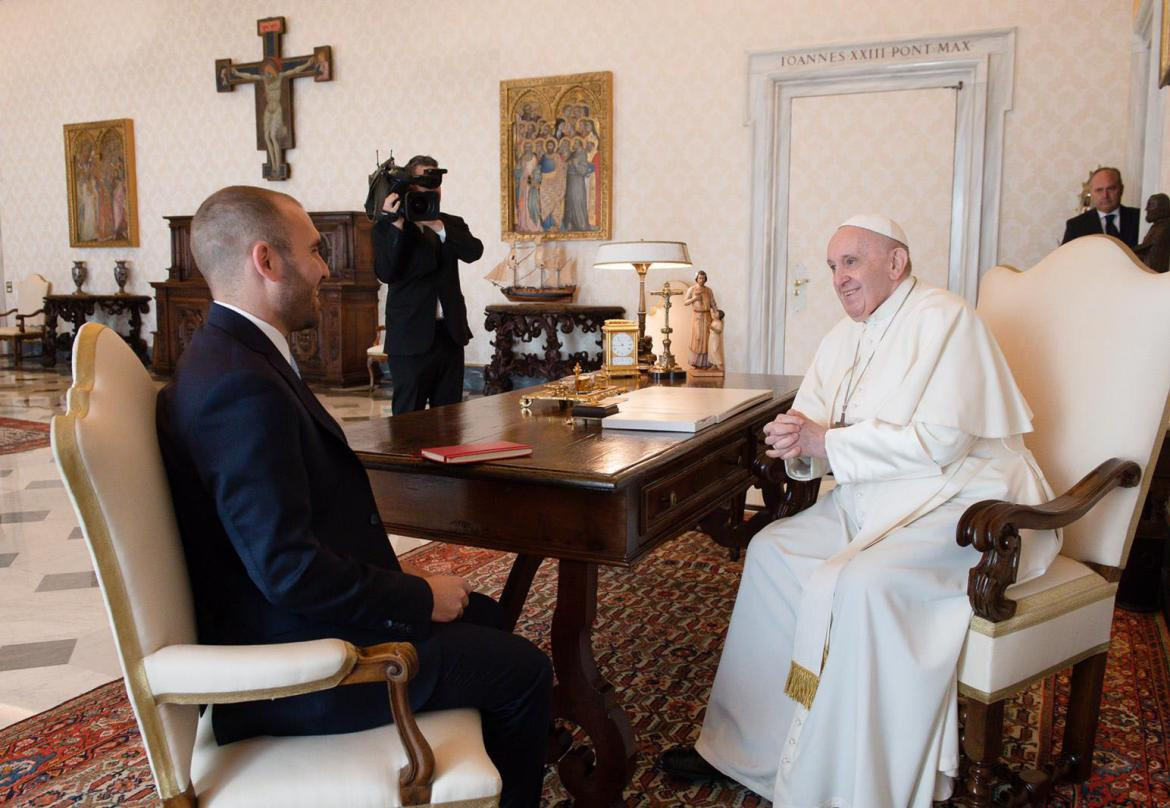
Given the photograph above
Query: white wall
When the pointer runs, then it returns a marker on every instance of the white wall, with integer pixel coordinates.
(425, 77)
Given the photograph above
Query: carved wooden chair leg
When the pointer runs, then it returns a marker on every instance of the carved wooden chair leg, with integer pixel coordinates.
(1084, 709)
(982, 744)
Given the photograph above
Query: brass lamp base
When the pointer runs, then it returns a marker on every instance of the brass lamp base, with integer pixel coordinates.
(660, 373)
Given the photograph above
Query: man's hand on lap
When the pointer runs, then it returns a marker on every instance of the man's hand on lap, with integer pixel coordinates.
(450, 597)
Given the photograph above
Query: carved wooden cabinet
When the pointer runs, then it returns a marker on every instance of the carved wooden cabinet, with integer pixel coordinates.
(334, 352)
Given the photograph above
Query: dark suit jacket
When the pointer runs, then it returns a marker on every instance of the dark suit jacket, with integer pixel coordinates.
(1089, 223)
(419, 270)
(282, 536)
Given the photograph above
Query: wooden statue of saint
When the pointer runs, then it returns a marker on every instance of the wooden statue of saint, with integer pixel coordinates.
(701, 299)
(1154, 251)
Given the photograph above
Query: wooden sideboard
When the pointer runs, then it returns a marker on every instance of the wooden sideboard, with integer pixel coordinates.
(334, 352)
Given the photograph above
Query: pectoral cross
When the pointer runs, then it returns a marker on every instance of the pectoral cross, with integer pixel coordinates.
(273, 76)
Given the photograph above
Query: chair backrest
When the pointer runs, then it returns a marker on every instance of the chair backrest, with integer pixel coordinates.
(1087, 334)
(107, 451)
(30, 297)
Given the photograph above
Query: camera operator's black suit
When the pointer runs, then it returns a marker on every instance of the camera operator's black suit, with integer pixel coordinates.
(420, 270)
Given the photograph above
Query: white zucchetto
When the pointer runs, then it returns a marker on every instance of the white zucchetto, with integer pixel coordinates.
(876, 223)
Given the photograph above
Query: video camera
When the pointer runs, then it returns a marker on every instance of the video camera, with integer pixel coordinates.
(415, 206)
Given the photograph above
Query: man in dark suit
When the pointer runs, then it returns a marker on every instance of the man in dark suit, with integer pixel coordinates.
(1107, 215)
(426, 318)
(281, 532)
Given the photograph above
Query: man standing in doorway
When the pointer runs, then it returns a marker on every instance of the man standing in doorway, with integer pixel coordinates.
(1107, 215)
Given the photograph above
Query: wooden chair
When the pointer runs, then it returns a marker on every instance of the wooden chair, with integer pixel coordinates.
(1087, 335)
(29, 315)
(106, 448)
(375, 354)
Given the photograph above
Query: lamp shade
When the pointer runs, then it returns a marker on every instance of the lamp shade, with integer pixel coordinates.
(656, 254)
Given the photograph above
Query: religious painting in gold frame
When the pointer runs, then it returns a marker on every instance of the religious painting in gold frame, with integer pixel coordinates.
(1164, 61)
(103, 195)
(556, 157)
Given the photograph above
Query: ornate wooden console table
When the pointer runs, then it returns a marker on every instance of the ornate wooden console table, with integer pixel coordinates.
(526, 322)
(77, 308)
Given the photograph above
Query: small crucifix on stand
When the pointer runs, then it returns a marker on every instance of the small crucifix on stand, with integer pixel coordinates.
(273, 77)
(666, 367)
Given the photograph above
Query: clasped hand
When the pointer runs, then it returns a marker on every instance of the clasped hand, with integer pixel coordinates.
(790, 435)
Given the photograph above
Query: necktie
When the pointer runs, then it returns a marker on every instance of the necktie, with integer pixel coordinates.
(1110, 229)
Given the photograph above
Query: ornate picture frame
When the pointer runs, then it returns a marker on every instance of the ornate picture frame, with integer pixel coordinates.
(556, 157)
(1164, 56)
(103, 191)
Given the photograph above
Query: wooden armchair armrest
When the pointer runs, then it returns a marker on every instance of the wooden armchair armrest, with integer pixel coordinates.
(208, 674)
(993, 526)
(377, 343)
(396, 663)
(6, 313)
(20, 318)
(783, 496)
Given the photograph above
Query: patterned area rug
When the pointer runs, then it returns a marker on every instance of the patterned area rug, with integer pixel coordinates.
(20, 436)
(659, 631)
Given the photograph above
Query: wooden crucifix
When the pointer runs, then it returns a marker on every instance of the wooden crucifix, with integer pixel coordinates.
(273, 76)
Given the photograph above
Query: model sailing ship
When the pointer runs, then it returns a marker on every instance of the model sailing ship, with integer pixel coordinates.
(534, 273)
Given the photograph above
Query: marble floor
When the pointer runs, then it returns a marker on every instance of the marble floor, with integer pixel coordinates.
(55, 641)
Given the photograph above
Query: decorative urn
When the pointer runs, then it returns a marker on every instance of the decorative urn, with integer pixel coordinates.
(121, 273)
(79, 273)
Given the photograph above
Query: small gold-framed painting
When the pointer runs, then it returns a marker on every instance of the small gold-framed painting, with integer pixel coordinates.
(556, 157)
(103, 196)
(1164, 61)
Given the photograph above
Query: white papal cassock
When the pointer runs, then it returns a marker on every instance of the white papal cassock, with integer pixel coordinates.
(837, 683)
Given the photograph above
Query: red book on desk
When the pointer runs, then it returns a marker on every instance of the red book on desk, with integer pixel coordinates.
(474, 452)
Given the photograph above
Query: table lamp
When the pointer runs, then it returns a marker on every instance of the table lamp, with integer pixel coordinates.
(642, 256)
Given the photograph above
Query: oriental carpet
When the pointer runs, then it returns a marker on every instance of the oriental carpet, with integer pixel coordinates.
(659, 631)
(17, 435)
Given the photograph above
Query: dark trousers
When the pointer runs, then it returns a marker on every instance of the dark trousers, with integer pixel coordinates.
(509, 680)
(434, 376)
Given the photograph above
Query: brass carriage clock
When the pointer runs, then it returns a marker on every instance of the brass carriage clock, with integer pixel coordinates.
(621, 347)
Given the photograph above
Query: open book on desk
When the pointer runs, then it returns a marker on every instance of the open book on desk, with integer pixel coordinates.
(682, 409)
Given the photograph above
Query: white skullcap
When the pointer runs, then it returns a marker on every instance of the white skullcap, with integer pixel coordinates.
(876, 223)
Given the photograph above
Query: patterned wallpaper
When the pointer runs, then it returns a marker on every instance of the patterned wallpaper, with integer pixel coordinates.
(425, 77)
(839, 170)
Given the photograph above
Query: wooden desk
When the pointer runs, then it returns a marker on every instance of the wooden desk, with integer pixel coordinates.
(77, 308)
(585, 497)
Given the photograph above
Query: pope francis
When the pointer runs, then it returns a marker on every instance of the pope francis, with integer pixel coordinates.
(837, 682)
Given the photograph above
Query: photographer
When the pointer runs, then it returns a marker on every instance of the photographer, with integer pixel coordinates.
(426, 318)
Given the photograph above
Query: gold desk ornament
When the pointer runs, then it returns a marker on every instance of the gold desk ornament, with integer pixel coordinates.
(580, 388)
(666, 367)
(621, 347)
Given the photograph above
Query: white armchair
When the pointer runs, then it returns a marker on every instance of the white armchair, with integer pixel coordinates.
(1087, 334)
(108, 454)
(29, 315)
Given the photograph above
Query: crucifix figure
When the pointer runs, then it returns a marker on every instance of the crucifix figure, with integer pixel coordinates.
(273, 77)
(666, 367)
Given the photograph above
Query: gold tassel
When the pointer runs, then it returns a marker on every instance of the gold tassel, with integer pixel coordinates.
(801, 685)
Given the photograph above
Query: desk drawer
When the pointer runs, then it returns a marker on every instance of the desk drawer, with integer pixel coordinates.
(664, 500)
